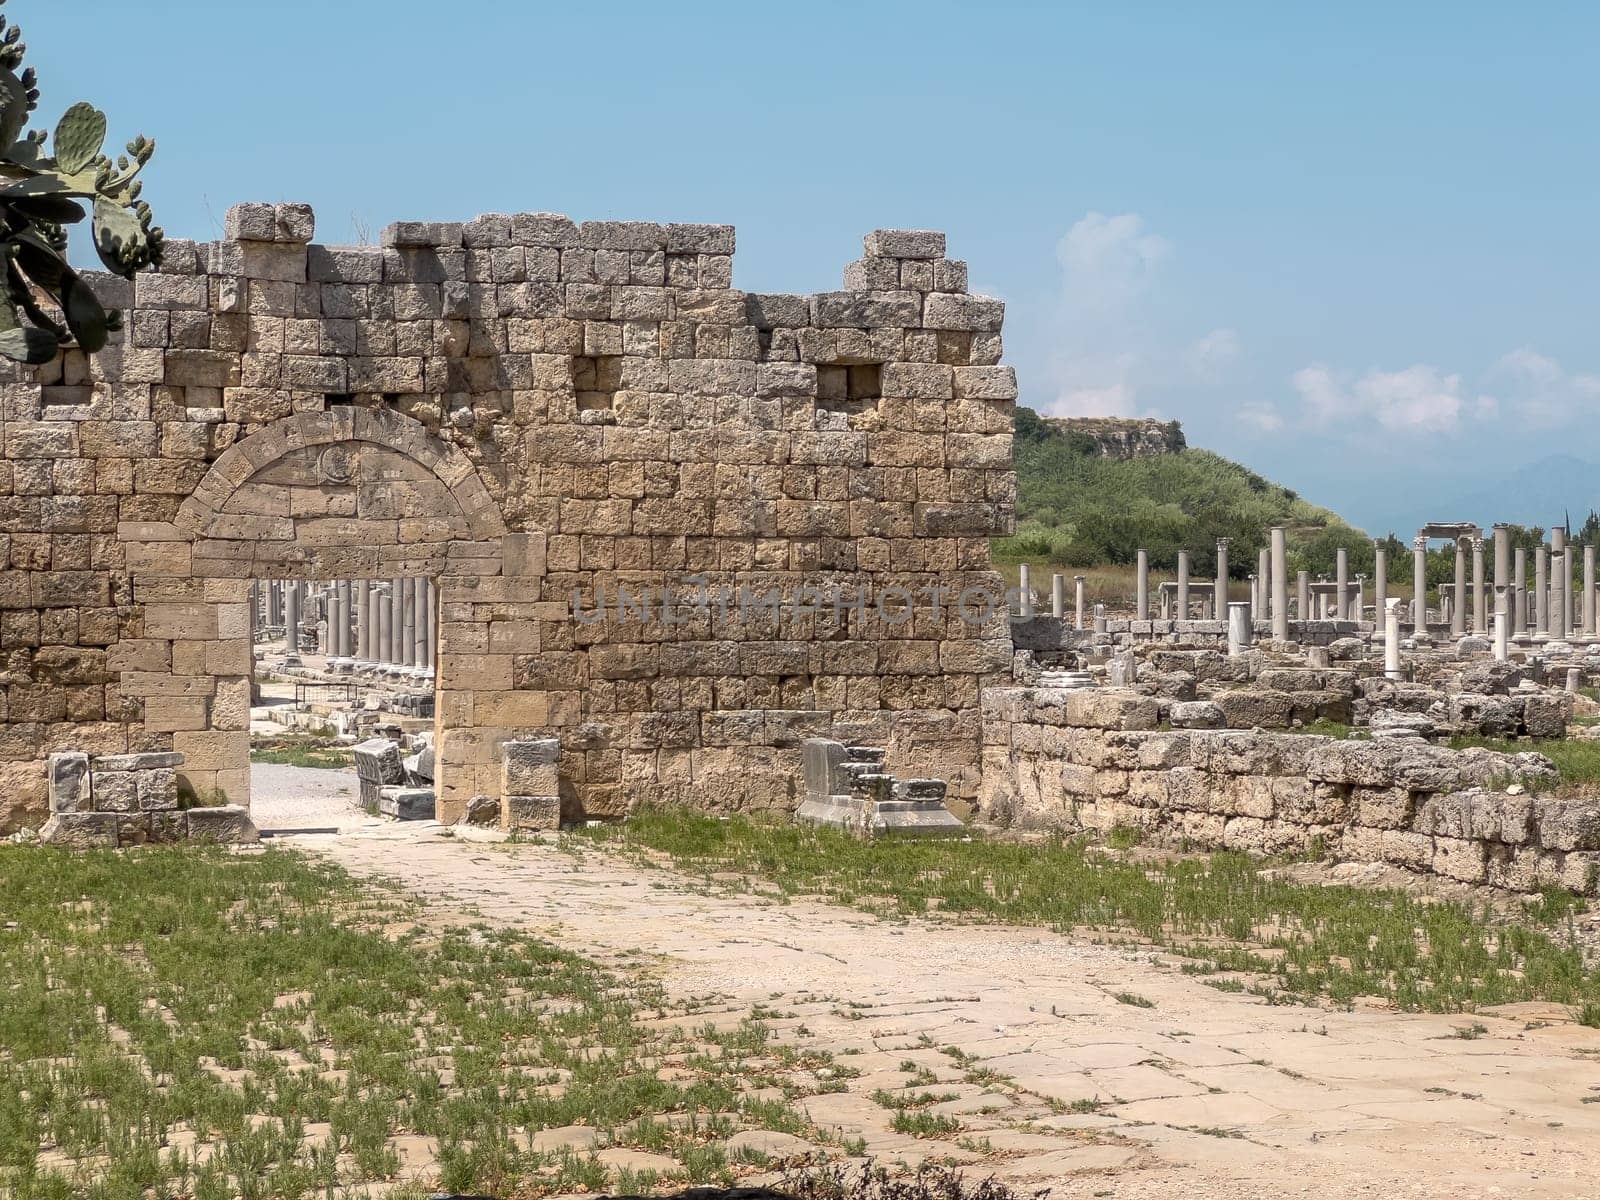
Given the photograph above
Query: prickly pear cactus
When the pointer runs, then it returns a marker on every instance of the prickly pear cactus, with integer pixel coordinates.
(44, 303)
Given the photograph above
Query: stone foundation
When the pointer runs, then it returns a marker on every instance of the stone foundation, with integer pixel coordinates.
(1097, 759)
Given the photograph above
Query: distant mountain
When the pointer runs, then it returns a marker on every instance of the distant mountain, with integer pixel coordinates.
(1536, 494)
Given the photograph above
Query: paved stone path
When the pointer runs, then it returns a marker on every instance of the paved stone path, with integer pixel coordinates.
(1205, 1094)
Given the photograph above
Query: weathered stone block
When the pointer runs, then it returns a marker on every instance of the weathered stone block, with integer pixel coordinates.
(531, 813)
(80, 830)
(69, 783)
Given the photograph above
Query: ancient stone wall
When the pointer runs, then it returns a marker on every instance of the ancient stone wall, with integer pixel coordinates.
(521, 409)
(1097, 759)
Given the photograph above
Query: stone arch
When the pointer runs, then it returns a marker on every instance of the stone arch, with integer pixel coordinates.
(346, 480)
(348, 493)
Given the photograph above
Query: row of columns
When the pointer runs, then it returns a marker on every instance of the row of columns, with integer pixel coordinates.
(1558, 607)
(384, 623)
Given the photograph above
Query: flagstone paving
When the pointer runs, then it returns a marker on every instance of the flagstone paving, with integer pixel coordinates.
(1050, 1079)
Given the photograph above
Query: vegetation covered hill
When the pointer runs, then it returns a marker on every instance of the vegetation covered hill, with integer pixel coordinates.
(1076, 508)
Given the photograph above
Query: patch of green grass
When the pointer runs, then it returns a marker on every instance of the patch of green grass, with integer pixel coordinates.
(1125, 837)
(318, 753)
(1589, 1014)
(918, 1124)
(187, 1022)
(1133, 999)
(1339, 942)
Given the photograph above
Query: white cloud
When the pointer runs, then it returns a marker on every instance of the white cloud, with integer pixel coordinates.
(1109, 354)
(1417, 399)
(1264, 418)
(1109, 261)
(1541, 393)
(1208, 358)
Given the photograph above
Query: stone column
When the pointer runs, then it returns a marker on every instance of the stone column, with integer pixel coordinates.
(1419, 584)
(383, 623)
(342, 642)
(1589, 614)
(1541, 593)
(1458, 607)
(408, 622)
(1142, 586)
(363, 602)
(1380, 581)
(1024, 592)
(1559, 580)
(1560, 583)
(1183, 585)
(1303, 596)
(1519, 592)
(291, 620)
(1219, 589)
(421, 655)
(1077, 591)
(1100, 618)
(1058, 595)
(1280, 583)
(1502, 558)
(396, 620)
(1359, 600)
(430, 615)
(1264, 575)
(1341, 584)
(1255, 593)
(1480, 598)
(1240, 632)
(1502, 624)
(1391, 641)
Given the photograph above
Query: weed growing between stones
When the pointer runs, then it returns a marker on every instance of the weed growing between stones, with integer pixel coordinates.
(183, 1022)
(1226, 911)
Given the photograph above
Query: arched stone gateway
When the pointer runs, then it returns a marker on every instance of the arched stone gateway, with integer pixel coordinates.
(527, 411)
(348, 493)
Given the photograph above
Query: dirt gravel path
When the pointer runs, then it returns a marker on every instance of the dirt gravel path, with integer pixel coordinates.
(1203, 1094)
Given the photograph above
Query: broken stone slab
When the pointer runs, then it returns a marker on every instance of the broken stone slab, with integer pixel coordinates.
(138, 762)
(69, 782)
(481, 810)
(406, 803)
(226, 824)
(378, 761)
(80, 831)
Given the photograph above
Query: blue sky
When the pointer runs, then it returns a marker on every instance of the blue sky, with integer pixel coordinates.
(1354, 247)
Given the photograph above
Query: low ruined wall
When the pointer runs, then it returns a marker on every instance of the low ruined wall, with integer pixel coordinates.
(1099, 758)
(117, 800)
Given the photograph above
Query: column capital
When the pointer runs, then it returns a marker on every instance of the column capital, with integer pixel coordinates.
(1222, 543)
(1420, 543)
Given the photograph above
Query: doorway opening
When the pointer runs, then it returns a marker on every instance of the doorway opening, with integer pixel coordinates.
(343, 695)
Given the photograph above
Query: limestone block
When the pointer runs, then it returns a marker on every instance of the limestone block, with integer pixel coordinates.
(225, 824)
(80, 831)
(531, 813)
(1460, 858)
(157, 790)
(905, 243)
(411, 234)
(116, 791)
(1568, 824)
(69, 783)
(531, 768)
(950, 310)
(1197, 714)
